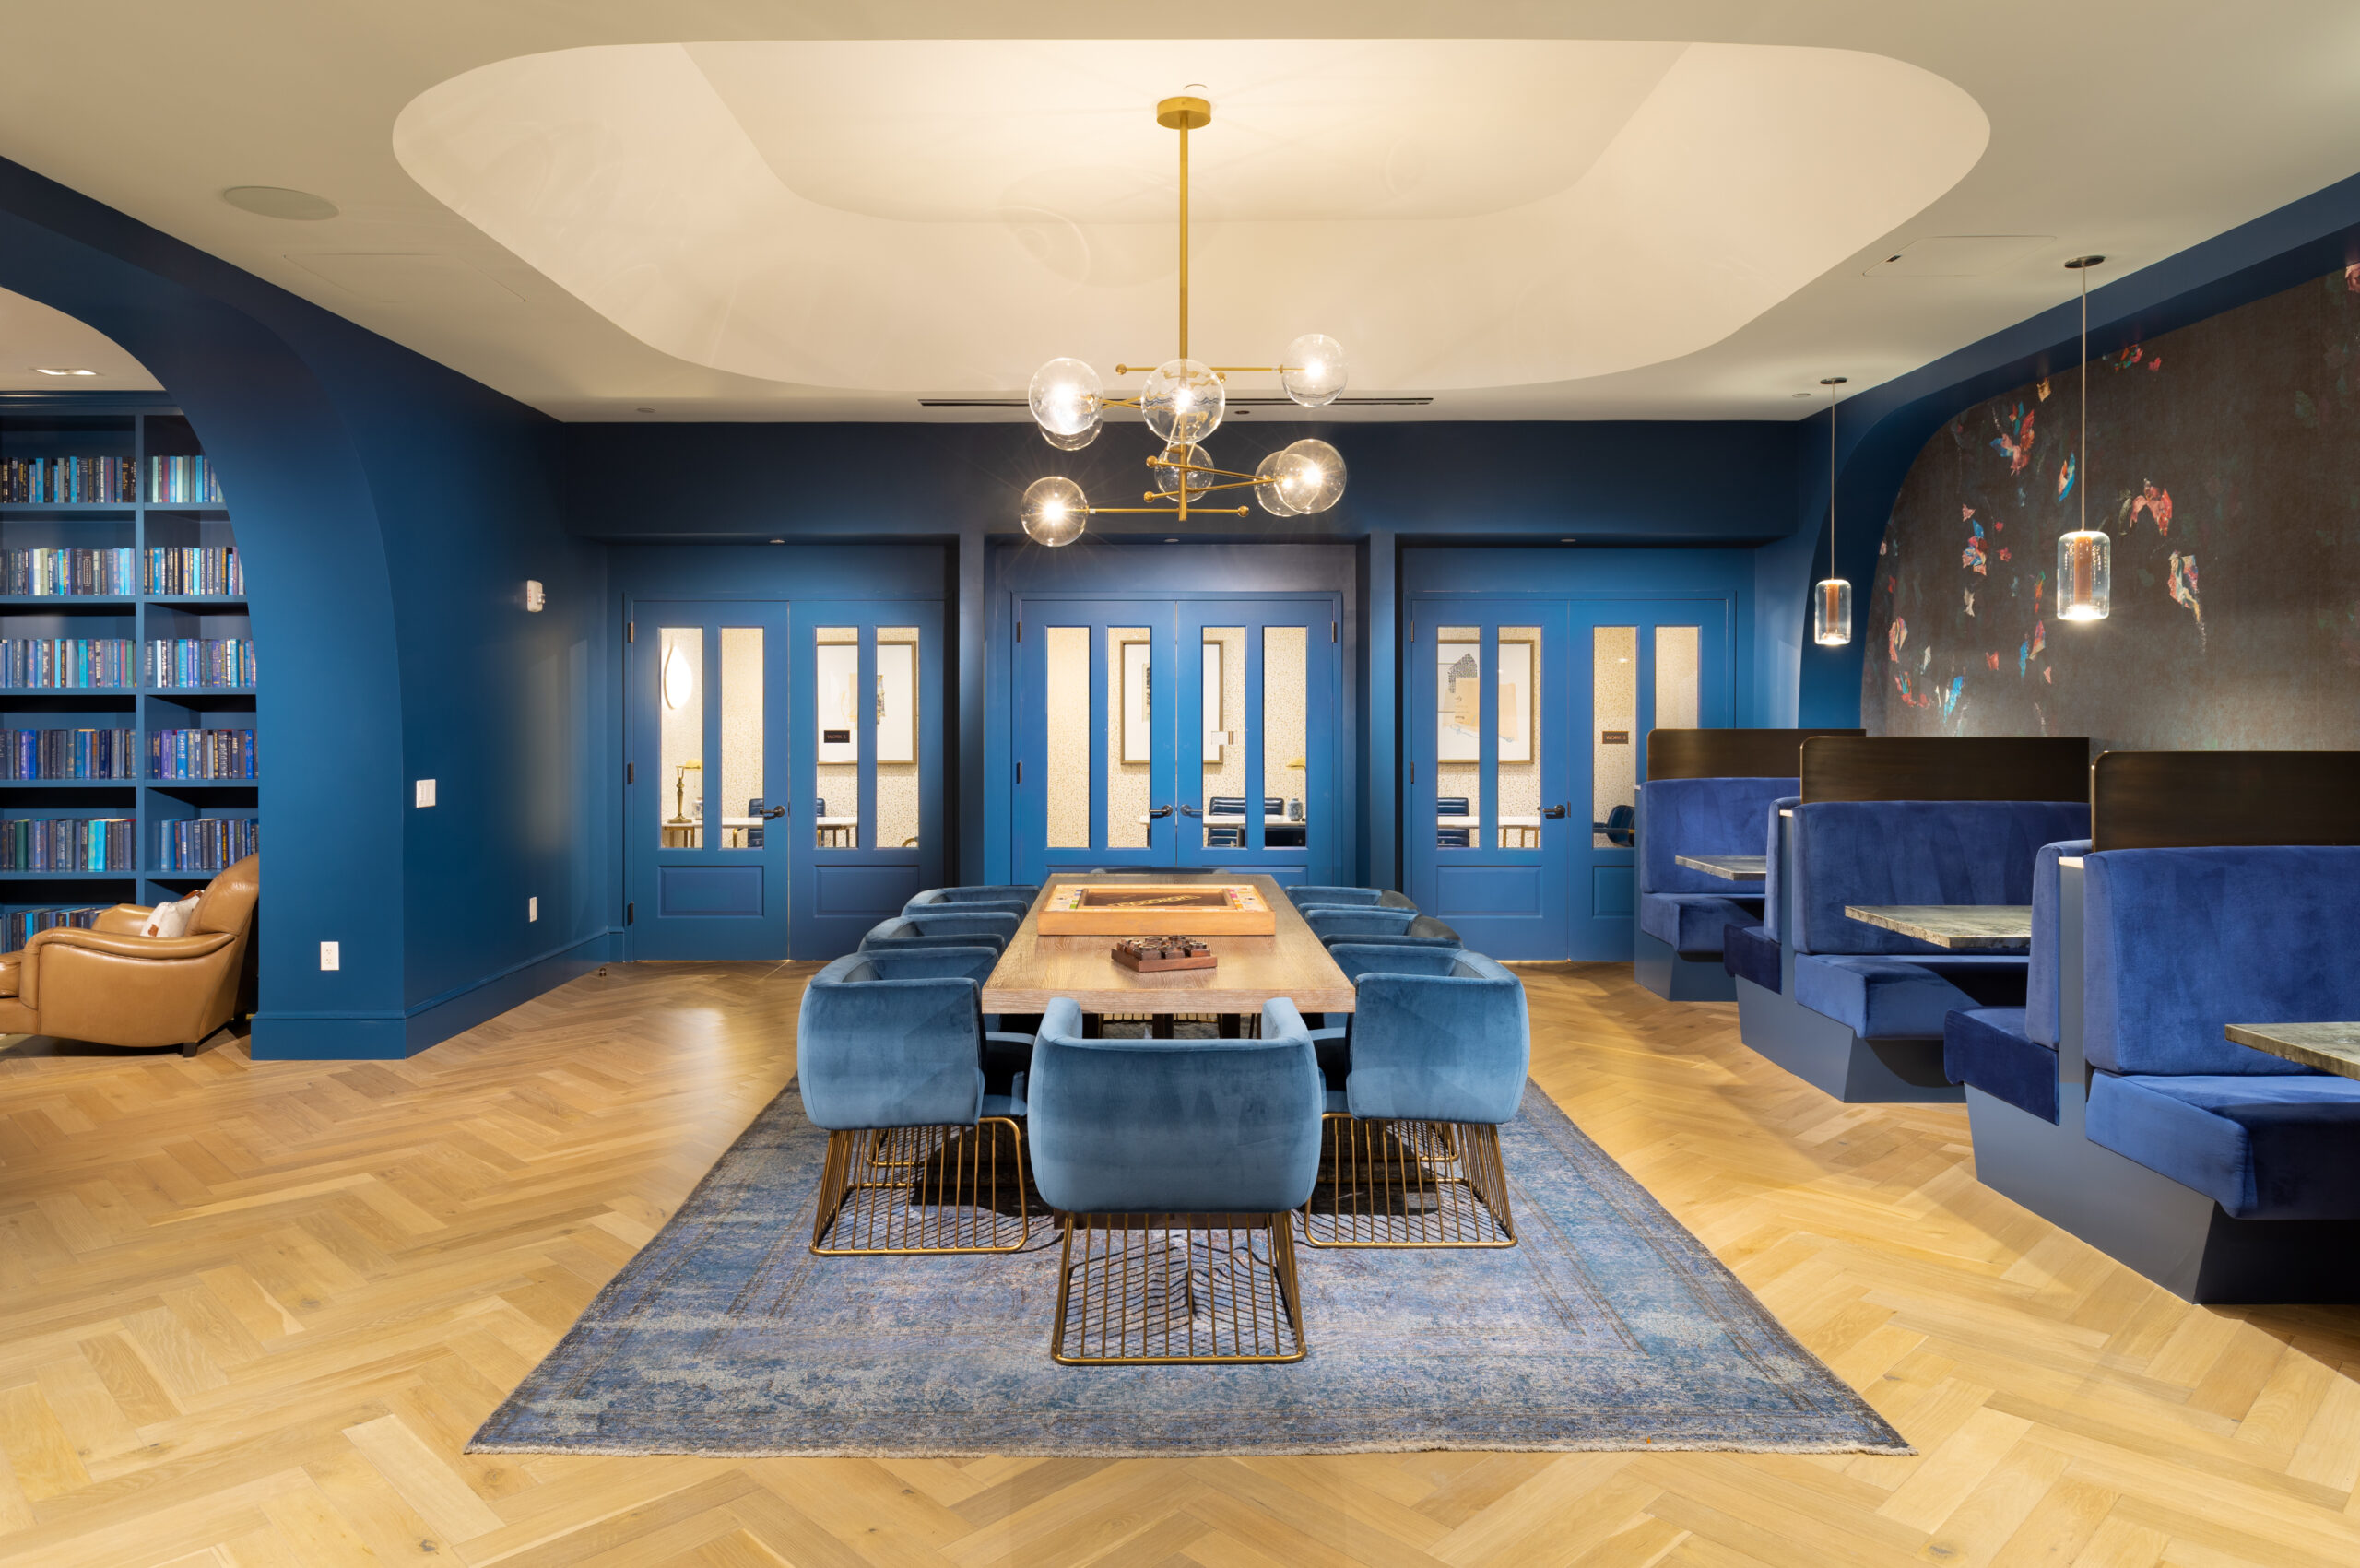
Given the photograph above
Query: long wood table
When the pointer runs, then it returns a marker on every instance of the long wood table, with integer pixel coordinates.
(1292, 963)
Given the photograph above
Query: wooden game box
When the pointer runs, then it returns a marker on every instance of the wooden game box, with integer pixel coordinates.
(1147, 909)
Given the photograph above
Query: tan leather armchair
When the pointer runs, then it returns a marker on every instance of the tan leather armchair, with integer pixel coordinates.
(113, 986)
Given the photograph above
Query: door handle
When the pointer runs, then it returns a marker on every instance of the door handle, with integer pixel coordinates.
(1556, 811)
(1188, 811)
(773, 812)
(1161, 811)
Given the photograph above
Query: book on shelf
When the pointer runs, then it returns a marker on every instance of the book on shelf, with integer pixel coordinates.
(64, 573)
(195, 570)
(69, 843)
(67, 753)
(57, 664)
(183, 481)
(24, 923)
(69, 481)
(192, 662)
(206, 844)
(201, 753)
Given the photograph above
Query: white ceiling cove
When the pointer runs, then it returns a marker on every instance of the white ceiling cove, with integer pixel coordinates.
(913, 216)
(774, 209)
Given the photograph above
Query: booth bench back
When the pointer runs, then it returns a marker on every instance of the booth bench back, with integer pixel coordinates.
(1681, 816)
(1915, 852)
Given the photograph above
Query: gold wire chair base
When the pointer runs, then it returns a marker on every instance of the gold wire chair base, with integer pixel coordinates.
(1409, 1185)
(1164, 1289)
(924, 1190)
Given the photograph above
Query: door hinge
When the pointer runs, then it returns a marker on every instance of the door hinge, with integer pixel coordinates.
(1413, 628)
(631, 631)
(1020, 772)
(1020, 632)
(630, 912)
(1413, 773)
(630, 772)
(1332, 637)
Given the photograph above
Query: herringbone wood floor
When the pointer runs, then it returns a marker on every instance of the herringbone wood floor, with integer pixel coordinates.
(249, 1312)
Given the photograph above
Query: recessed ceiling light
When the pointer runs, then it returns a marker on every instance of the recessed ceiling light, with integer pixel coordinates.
(1798, 395)
(643, 410)
(61, 370)
(1569, 541)
(278, 201)
(1171, 542)
(778, 541)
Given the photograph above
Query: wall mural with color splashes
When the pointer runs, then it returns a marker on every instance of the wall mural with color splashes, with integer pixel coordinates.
(2225, 460)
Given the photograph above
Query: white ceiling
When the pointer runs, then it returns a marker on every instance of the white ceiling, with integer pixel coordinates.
(1448, 208)
(34, 337)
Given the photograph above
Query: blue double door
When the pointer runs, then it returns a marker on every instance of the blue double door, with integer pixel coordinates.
(1178, 732)
(784, 773)
(1524, 729)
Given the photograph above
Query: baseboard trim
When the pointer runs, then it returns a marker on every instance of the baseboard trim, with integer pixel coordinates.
(390, 1036)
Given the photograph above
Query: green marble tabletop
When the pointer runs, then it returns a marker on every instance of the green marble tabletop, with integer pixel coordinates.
(2330, 1047)
(1729, 868)
(1964, 927)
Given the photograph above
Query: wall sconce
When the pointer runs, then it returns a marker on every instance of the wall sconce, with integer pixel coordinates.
(679, 682)
(537, 598)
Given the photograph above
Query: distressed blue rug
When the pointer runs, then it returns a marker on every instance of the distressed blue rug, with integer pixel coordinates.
(1608, 1327)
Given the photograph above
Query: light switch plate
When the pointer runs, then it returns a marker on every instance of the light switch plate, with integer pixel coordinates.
(331, 955)
(426, 792)
(533, 908)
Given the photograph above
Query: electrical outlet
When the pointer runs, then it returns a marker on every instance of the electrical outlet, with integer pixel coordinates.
(331, 955)
(426, 792)
(533, 908)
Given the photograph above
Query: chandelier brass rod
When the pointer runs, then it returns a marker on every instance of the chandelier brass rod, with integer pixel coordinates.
(1184, 244)
(1167, 511)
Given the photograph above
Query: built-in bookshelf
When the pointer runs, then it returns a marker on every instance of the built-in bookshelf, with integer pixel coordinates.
(128, 758)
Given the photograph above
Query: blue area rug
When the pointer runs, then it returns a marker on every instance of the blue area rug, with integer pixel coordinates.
(1608, 1327)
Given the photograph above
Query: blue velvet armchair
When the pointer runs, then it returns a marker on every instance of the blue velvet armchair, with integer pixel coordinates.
(949, 927)
(923, 1149)
(1376, 925)
(1433, 1061)
(1014, 898)
(1319, 896)
(1174, 1165)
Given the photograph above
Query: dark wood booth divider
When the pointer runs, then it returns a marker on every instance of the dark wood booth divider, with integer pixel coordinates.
(1728, 753)
(1939, 768)
(2163, 799)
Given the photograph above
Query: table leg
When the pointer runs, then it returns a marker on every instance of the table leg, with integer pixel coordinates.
(1231, 1025)
(1159, 1026)
(1094, 1026)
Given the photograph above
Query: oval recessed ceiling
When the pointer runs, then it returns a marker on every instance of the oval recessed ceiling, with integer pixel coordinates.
(943, 213)
(278, 201)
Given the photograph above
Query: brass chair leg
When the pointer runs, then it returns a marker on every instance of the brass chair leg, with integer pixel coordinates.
(1384, 1184)
(935, 1189)
(1137, 1289)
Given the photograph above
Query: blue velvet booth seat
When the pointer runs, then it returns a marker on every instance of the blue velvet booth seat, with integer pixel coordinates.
(1316, 896)
(1682, 911)
(1174, 1165)
(1434, 1060)
(1014, 899)
(947, 927)
(1754, 952)
(2010, 1053)
(1750, 952)
(2180, 943)
(1379, 927)
(920, 1105)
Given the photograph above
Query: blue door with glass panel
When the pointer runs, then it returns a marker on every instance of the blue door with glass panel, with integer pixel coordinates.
(1162, 733)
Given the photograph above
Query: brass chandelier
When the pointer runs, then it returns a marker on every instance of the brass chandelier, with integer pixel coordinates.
(1183, 401)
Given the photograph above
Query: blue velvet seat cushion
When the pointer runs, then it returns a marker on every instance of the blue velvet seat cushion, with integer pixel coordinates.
(945, 928)
(2274, 1147)
(1009, 1103)
(1310, 895)
(1423, 932)
(1988, 1047)
(1439, 1035)
(1013, 897)
(1691, 923)
(1678, 817)
(1369, 921)
(894, 1039)
(1162, 1127)
(1007, 1056)
(2177, 943)
(2042, 1020)
(1914, 851)
(1904, 999)
(1750, 952)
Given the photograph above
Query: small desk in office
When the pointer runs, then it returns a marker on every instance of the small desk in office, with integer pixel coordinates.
(1963, 927)
(1727, 867)
(1526, 826)
(2330, 1047)
(839, 832)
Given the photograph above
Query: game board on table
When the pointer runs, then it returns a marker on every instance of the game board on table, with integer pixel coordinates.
(1142, 909)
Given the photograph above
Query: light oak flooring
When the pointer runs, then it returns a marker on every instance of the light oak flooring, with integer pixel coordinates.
(249, 1314)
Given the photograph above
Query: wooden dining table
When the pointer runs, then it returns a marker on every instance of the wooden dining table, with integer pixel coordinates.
(1291, 963)
(2330, 1047)
(1963, 927)
(1727, 867)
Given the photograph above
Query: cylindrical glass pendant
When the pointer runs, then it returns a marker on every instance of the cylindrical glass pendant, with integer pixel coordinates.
(2084, 575)
(1830, 612)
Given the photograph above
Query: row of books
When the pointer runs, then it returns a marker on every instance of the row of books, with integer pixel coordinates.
(67, 753)
(68, 481)
(201, 753)
(66, 573)
(22, 924)
(190, 570)
(201, 661)
(187, 481)
(58, 663)
(69, 843)
(207, 843)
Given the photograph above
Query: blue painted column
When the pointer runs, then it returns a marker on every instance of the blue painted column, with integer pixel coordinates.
(1380, 749)
(967, 680)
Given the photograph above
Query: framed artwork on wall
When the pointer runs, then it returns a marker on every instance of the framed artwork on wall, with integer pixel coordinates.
(838, 702)
(1516, 702)
(1216, 729)
(1458, 702)
(897, 701)
(1132, 722)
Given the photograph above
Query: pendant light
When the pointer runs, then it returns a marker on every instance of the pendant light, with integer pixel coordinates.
(1831, 597)
(2086, 556)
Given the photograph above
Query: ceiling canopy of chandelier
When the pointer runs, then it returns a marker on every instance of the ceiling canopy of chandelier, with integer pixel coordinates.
(1183, 401)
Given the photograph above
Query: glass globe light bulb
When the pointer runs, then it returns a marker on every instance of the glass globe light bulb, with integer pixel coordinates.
(1269, 483)
(1184, 402)
(1167, 479)
(1073, 442)
(2084, 575)
(1314, 481)
(1830, 612)
(1312, 369)
(1066, 396)
(1055, 510)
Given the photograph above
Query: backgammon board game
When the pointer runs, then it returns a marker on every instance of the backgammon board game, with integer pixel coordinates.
(1150, 909)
